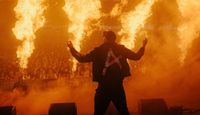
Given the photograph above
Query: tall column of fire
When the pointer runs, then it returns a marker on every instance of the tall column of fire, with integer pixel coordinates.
(133, 21)
(80, 14)
(29, 14)
(189, 27)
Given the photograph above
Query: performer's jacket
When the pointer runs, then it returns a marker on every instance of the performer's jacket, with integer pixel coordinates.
(99, 55)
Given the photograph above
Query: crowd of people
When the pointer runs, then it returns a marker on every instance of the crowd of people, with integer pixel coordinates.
(42, 66)
(8, 69)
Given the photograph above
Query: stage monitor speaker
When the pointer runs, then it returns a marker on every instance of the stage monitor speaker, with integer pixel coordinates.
(177, 110)
(153, 107)
(8, 110)
(63, 109)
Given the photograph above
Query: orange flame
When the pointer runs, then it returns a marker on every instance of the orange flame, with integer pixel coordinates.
(189, 28)
(80, 14)
(133, 21)
(117, 9)
(29, 14)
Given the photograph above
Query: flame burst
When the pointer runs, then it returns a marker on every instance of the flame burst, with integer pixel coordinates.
(117, 10)
(133, 21)
(81, 13)
(190, 25)
(29, 14)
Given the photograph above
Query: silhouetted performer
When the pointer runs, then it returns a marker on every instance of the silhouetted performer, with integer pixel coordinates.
(110, 67)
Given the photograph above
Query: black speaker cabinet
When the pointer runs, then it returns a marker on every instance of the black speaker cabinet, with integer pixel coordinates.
(7, 110)
(177, 110)
(153, 107)
(63, 109)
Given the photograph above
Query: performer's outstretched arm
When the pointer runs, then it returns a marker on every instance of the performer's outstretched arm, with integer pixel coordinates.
(132, 55)
(81, 58)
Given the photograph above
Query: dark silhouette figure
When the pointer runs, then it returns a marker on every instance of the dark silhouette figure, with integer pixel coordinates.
(110, 67)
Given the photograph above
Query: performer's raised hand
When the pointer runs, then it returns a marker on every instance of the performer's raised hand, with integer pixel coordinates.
(145, 42)
(69, 44)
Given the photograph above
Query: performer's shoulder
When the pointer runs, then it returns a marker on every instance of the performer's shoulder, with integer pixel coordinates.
(120, 46)
(99, 47)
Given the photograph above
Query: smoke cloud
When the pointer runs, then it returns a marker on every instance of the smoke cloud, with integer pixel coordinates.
(169, 68)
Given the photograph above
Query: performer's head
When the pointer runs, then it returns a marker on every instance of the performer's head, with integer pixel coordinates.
(109, 36)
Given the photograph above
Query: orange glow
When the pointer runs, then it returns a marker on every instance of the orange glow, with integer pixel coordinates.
(80, 14)
(190, 25)
(47, 72)
(29, 14)
(117, 9)
(133, 21)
